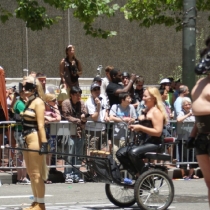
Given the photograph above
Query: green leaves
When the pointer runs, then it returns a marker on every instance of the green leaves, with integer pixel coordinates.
(146, 12)
(34, 15)
(4, 14)
(87, 11)
(152, 12)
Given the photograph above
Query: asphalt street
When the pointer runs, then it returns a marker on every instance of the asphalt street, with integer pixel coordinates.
(190, 194)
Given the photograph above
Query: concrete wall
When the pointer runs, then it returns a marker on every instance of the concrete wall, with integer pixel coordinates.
(148, 52)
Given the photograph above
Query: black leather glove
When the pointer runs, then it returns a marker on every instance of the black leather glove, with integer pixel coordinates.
(44, 148)
(190, 143)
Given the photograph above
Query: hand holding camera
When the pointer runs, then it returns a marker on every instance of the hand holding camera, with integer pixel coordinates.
(133, 77)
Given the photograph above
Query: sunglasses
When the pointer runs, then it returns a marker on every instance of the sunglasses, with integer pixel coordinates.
(96, 89)
(27, 86)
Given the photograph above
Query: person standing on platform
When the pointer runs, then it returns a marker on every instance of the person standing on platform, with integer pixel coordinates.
(70, 68)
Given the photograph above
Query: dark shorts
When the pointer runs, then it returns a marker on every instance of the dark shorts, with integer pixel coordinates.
(202, 144)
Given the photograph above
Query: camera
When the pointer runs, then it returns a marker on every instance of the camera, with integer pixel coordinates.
(74, 70)
(204, 65)
(99, 69)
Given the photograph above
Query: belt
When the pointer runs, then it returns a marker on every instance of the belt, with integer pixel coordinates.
(29, 131)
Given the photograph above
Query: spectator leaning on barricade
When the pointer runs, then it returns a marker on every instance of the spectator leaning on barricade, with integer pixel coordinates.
(70, 68)
(186, 115)
(138, 94)
(183, 91)
(51, 114)
(18, 108)
(11, 99)
(74, 111)
(122, 114)
(97, 108)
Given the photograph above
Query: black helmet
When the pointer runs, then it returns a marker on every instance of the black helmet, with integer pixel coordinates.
(125, 74)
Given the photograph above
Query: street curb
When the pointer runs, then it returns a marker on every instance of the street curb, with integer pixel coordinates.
(8, 178)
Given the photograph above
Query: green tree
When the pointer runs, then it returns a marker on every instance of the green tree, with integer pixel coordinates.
(146, 12)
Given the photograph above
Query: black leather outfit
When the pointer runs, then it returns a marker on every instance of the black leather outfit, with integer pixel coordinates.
(29, 122)
(131, 156)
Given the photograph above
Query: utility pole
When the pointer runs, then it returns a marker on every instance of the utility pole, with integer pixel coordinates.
(189, 43)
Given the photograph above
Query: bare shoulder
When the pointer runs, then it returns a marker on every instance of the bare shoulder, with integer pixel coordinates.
(39, 101)
(62, 61)
(200, 84)
(201, 80)
(157, 113)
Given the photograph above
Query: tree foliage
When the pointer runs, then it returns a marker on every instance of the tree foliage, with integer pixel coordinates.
(146, 12)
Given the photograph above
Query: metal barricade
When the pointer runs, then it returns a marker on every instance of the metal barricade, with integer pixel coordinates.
(184, 156)
(63, 130)
(6, 138)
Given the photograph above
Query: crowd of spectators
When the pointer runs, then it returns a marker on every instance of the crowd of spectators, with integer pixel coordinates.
(116, 98)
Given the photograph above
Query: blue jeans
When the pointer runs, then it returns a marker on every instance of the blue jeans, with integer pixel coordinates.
(73, 146)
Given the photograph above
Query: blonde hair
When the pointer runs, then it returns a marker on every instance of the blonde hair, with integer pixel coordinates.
(153, 91)
(50, 97)
(39, 88)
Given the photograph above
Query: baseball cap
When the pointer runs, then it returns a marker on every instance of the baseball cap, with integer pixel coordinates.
(166, 80)
(94, 85)
(97, 79)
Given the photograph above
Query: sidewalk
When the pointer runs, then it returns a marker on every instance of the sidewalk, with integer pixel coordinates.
(9, 177)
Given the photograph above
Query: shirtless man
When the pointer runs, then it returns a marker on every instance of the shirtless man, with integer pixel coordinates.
(201, 131)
